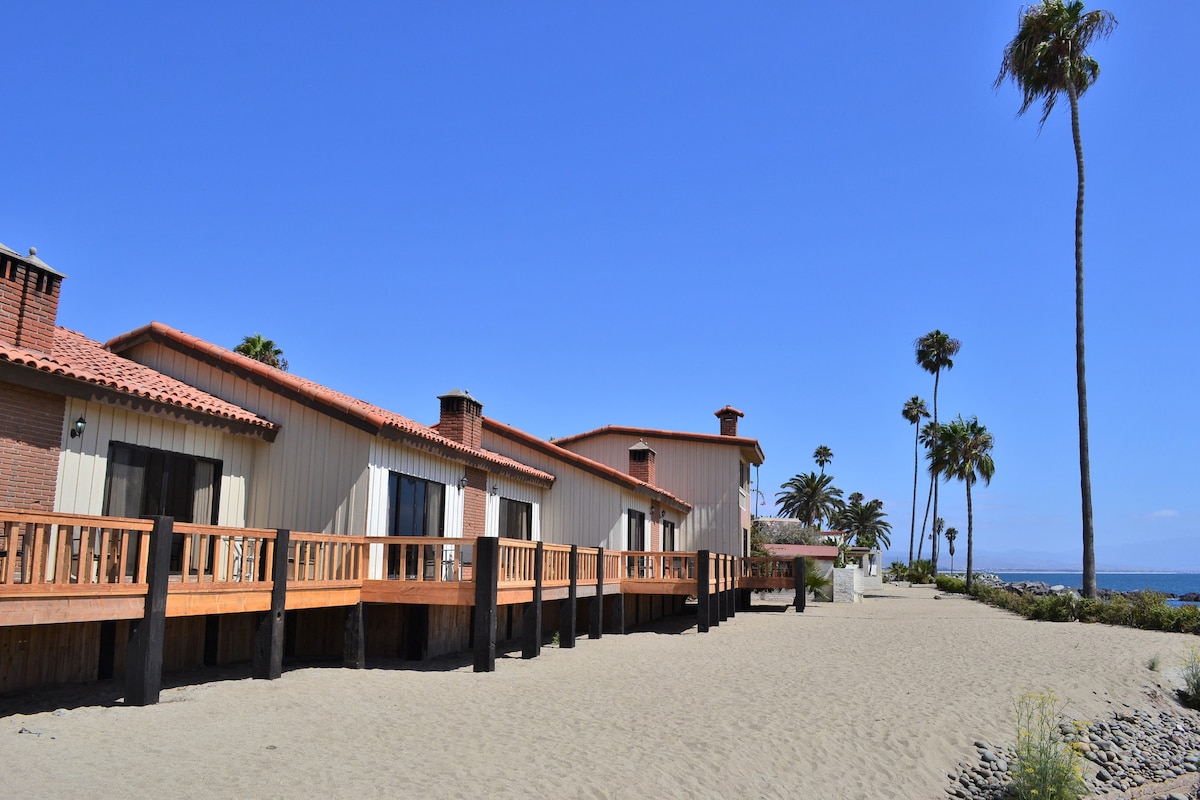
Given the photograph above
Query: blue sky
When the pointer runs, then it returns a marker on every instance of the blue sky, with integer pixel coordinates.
(636, 213)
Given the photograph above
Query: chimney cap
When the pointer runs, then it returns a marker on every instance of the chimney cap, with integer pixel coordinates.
(456, 394)
(31, 259)
(641, 445)
(728, 411)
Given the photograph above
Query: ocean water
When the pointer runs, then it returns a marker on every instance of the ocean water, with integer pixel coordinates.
(1175, 583)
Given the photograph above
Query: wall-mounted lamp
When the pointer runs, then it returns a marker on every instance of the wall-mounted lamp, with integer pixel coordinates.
(663, 514)
(462, 483)
(495, 490)
(77, 428)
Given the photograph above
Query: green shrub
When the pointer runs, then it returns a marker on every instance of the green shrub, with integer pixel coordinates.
(817, 581)
(1189, 695)
(945, 583)
(898, 571)
(921, 571)
(1052, 608)
(1089, 609)
(1046, 767)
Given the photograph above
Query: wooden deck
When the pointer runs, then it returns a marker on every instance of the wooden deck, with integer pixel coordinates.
(72, 568)
(66, 568)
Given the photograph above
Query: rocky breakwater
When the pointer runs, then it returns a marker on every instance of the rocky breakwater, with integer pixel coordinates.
(1132, 750)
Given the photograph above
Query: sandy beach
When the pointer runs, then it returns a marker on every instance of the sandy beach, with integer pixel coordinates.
(874, 700)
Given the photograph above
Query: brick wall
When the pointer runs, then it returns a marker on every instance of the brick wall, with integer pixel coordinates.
(28, 305)
(475, 503)
(31, 424)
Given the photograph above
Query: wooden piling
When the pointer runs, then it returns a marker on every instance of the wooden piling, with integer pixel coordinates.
(532, 622)
(268, 644)
(143, 667)
(354, 639)
(799, 569)
(487, 580)
(703, 600)
(596, 604)
(566, 615)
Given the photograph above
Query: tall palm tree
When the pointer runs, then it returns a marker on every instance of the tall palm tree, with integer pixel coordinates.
(865, 523)
(964, 451)
(1047, 59)
(936, 352)
(913, 411)
(822, 455)
(810, 498)
(951, 534)
(264, 350)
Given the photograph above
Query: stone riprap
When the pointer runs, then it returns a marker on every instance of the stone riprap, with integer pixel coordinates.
(1132, 749)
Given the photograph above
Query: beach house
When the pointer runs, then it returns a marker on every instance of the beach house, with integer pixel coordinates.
(252, 463)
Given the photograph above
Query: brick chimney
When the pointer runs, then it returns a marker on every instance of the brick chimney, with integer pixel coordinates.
(641, 462)
(462, 418)
(28, 300)
(729, 420)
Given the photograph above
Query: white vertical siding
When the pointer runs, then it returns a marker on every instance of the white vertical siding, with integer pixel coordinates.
(705, 475)
(581, 508)
(83, 463)
(513, 490)
(313, 477)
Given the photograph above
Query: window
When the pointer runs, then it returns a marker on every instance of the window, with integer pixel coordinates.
(636, 538)
(668, 536)
(744, 475)
(143, 481)
(516, 519)
(415, 508)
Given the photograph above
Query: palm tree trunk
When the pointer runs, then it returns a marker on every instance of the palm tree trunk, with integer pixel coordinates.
(1085, 467)
(924, 522)
(970, 538)
(937, 376)
(916, 469)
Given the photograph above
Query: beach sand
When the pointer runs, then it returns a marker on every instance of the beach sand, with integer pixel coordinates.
(874, 700)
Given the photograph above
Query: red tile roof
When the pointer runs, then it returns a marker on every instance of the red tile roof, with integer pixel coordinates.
(826, 552)
(79, 358)
(372, 418)
(586, 464)
(754, 453)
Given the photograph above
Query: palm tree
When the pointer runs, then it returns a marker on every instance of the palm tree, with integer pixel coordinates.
(1048, 58)
(928, 438)
(263, 350)
(951, 534)
(822, 455)
(964, 451)
(810, 498)
(935, 538)
(913, 411)
(935, 352)
(865, 523)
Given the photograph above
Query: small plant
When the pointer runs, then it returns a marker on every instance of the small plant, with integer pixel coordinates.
(554, 639)
(921, 571)
(816, 581)
(898, 571)
(1189, 695)
(1153, 663)
(1046, 768)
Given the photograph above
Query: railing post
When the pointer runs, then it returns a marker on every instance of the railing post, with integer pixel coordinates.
(533, 612)
(268, 645)
(731, 586)
(596, 604)
(722, 588)
(566, 617)
(702, 598)
(143, 671)
(487, 580)
(800, 579)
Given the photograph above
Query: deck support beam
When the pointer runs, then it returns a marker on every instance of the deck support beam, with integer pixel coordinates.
(354, 638)
(596, 604)
(532, 622)
(268, 643)
(143, 670)
(570, 606)
(703, 601)
(799, 569)
(487, 580)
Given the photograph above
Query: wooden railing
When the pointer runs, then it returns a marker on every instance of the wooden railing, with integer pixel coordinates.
(212, 555)
(556, 567)
(424, 559)
(326, 557)
(657, 565)
(47, 549)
